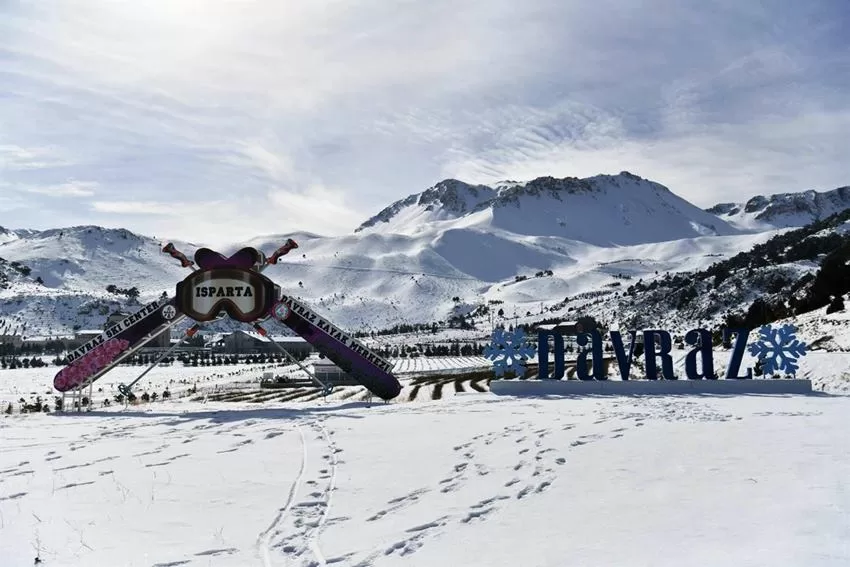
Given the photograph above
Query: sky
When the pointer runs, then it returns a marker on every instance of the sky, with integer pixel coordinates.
(221, 120)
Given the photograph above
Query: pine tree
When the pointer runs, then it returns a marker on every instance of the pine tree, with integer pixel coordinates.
(836, 305)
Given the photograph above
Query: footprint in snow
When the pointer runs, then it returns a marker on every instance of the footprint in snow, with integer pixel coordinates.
(13, 496)
(488, 501)
(478, 514)
(76, 484)
(227, 551)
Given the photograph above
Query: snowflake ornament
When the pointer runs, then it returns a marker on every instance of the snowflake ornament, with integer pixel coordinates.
(509, 351)
(779, 349)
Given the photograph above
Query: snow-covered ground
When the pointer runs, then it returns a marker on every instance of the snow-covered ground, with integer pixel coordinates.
(829, 371)
(475, 480)
(28, 383)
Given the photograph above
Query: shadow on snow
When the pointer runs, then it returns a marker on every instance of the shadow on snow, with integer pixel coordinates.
(230, 415)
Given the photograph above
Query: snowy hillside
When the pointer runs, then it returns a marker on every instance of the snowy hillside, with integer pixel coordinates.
(89, 258)
(70, 272)
(803, 272)
(516, 252)
(784, 209)
(374, 281)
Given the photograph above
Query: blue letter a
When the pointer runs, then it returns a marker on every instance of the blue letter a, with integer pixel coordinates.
(701, 340)
(595, 351)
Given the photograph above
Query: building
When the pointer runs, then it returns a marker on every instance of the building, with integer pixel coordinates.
(59, 342)
(250, 342)
(571, 329)
(115, 317)
(85, 335)
(566, 328)
(329, 373)
(13, 340)
(215, 341)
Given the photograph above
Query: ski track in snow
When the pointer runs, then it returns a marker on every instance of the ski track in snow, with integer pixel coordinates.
(264, 541)
(295, 532)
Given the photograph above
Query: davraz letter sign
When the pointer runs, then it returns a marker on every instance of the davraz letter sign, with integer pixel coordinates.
(779, 348)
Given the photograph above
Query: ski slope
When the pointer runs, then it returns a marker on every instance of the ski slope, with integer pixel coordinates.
(475, 480)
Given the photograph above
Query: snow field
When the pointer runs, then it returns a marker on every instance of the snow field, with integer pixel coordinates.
(829, 372)
(31, 382)
(474, 480)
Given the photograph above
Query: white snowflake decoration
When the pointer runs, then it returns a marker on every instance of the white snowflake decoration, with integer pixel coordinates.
(779, 349)
(509, 351)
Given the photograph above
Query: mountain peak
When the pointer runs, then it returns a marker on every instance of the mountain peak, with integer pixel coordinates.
(604, 210)
(784, 210)
(450, 198)
(557, 187)
(454, 196)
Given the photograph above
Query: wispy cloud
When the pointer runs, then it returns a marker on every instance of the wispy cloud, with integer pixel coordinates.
(139, 207)
(69, 189)
(17, 158)
(314, 115)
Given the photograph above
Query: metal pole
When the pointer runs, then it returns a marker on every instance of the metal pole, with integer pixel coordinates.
(127, 390)
(325, 388)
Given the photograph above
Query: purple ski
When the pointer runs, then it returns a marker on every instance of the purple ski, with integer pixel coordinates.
(352, 356)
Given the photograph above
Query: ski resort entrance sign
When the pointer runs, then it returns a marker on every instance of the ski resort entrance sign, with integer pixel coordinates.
(777, 349)
(218, 287)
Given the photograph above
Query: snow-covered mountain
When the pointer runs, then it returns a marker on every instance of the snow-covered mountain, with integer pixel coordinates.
(447, 200)
(605, 210)
(58, 278)
(783, 210)
(89, 258)
(454, 250)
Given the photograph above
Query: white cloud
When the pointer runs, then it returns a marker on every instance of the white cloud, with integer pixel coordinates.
(330, 207)
(166, 103)
(69, 189)
(221, 223)
(139, 207)
(705, 165)
(17, 158)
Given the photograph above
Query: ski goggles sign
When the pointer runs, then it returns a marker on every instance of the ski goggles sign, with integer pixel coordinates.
(245, 295)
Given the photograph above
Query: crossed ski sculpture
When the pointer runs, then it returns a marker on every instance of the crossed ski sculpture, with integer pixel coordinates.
(219, 287)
